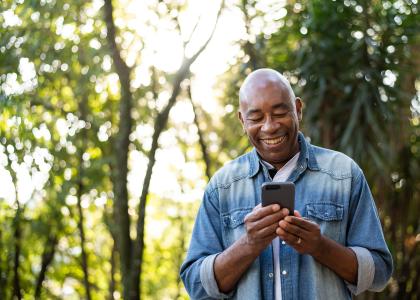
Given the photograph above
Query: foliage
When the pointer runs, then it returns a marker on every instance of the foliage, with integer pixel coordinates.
(59, 97)
(354, 63)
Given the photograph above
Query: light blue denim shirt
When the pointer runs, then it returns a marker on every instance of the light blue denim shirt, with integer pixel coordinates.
(330, 190)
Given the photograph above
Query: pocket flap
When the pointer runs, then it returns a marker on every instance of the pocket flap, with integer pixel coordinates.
(325, 211)
(235, 218)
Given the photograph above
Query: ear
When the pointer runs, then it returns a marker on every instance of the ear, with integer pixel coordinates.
(299, 105)
(241, 119)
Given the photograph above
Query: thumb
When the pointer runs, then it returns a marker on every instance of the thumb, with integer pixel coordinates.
(297, 214)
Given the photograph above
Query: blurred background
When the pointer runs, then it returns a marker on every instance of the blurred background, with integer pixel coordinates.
(114, 114)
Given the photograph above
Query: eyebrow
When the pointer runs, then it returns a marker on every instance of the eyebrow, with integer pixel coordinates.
(279, 105)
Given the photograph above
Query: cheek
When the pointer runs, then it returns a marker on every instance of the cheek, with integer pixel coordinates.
(292, 123)
(295, 121)
(252, 131)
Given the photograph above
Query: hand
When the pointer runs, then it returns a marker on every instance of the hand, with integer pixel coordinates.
(261, 225)
(303, 235)
(233, 262)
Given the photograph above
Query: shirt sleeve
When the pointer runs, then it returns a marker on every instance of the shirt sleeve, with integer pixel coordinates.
(365, 237)
(366, 271)
(209, 281)
(206, 243)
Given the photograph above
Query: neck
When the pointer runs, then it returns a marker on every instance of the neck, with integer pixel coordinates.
(279, 165)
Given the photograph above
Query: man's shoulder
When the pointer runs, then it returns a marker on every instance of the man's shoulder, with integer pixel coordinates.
(324, 154)
(335, 163)
(234, 170)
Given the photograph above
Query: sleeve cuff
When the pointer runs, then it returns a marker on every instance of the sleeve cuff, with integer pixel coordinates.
(365, 271)
(209, 281)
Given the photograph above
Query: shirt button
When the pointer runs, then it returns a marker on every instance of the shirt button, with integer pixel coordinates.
(270, 275)
(283, 243)
(284, 272)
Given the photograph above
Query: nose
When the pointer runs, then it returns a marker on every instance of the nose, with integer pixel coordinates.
(269, 125)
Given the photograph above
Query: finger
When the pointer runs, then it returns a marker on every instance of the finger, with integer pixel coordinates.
(267, 231)
(260, 212)
(293, 229)
(288, 237)
(297, 214)
(271, 219)
(301, 222)
(269, 238)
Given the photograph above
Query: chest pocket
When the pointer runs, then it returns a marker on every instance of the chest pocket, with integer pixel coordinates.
(233, 225)
(328, 216)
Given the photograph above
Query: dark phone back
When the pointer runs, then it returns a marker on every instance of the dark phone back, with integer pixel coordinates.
(282, 193)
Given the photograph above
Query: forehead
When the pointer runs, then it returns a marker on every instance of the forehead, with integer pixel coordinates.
(266, 97)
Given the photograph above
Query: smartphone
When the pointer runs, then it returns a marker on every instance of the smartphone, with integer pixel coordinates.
(282, 193)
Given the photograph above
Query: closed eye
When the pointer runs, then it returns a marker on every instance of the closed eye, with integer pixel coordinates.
(255, 119)
(282, 115)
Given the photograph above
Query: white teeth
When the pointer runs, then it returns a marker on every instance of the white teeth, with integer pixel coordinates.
(274, 141)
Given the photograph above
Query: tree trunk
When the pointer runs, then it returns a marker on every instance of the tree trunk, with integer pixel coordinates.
(3, 274)
(131, 254)
(180, 255)
(181, 248)
(83, 110)
(17, 236)
(119, 176)
(85, 264)
(160, 124)
(112, 284)
(47, 257)
(137, 254)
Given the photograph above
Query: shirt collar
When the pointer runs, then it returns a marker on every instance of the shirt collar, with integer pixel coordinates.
(284, 172)
(306, 159)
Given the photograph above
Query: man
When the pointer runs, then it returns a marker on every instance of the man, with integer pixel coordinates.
(242, 250)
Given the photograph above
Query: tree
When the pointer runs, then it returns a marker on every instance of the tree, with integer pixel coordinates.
(43, 59)
(87, 102)
(354, 65)
(131, 251)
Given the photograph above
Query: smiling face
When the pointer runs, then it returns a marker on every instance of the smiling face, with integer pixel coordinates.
(270, 115)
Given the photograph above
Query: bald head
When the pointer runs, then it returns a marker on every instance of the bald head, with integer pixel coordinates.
(261, 79)
(270, 115)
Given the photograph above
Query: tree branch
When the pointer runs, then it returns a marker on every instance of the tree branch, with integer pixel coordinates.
(194, 57)
(202, 142)
(160, 124)
(120, 64)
